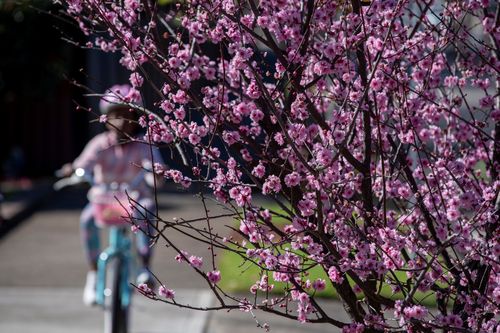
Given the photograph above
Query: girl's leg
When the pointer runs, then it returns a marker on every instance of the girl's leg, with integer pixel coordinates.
(90, 236)
(90, 241)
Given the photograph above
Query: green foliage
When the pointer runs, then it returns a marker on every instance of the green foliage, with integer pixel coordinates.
(166, 2)
(246, 274)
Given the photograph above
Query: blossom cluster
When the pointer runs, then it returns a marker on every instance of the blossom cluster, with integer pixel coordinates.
(373, 125)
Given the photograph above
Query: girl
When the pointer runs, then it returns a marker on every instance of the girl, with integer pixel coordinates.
(115, 157)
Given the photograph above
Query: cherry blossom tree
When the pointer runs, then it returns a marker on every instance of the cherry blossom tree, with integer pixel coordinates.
(372, 125)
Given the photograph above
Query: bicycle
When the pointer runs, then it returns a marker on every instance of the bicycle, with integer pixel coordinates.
(114, 267)
(113, 289)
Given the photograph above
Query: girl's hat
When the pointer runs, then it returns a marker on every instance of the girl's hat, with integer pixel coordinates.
(119, 96)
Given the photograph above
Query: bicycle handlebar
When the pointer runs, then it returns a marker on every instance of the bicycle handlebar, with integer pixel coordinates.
(78, 177)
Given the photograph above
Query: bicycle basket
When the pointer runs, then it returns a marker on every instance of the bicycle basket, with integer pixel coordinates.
(110, 208)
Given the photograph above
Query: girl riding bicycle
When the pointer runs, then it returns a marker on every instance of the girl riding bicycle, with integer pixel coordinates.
(115, 159)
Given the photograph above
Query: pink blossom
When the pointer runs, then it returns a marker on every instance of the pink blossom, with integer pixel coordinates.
(335, 275)
(194, 139)
(263, 21)
(488, 24)
(256, 115)
(324, 157)
(241, 194)
(271, 185)
(136, 80)
(144, 288)
(196, 262)
(231, 137)
(181, 256)
(271, 262)
(214, 276)
(303, 297)
(453, 214)
(486, 101)
(134, 228)
(376, 43)
(376, 84)
(419, 75)
(174, 62)
(307, 207)
(292, 179)
(353, 328)
(165, 292)
(253, 90)
(416, 311)
(180, 97)
(74, 6)
(319, 284)
(321, 68)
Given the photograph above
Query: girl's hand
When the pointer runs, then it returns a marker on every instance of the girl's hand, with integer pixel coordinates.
(67, 170)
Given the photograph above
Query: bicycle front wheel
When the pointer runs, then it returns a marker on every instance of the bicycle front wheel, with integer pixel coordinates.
(115, 315)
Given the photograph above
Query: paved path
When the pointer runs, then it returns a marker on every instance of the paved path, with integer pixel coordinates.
(42, 272)
(60, 310)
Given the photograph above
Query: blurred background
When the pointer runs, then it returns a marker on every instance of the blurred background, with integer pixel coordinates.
(40, 128)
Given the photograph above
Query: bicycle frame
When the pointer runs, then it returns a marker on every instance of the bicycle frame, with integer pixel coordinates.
(119, 247)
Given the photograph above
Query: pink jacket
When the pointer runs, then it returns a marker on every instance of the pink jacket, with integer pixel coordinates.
(112, 161)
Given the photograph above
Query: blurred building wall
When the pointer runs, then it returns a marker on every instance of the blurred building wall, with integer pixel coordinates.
(40, 126)
(37, 103)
